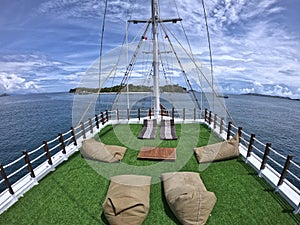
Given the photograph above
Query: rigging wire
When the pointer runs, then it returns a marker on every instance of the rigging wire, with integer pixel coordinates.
(209, 47)
(189, 45)
(197, 67)
(131, 65)
(183, 71)
(100, 66)
(101, 49)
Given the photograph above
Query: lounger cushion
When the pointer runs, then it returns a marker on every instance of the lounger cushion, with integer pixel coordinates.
(219, 151)
(149, 129)
(168, 130)
(187, 197)
(127, 200)
(95, 150)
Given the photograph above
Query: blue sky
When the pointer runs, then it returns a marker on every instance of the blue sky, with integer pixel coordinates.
(46, 46)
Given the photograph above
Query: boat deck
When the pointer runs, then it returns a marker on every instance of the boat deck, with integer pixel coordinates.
(75, 191)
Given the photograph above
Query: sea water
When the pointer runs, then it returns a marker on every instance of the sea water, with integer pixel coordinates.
(27, 120)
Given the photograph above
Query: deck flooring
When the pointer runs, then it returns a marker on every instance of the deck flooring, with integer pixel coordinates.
(75, 191)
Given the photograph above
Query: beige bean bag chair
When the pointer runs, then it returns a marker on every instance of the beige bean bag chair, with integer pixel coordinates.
(187, 197)
(95, 150)
(219, 151)
(127, 200)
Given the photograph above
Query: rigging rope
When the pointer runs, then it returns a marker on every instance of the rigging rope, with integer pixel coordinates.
(209, 47)
(131, 64)
(101, 47)
(182, 70)
(189, 45)
(197, 67)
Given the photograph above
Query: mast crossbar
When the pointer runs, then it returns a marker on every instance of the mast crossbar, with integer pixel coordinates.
(175, 20)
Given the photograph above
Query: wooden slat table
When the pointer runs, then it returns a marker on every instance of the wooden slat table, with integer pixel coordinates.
(156, 153)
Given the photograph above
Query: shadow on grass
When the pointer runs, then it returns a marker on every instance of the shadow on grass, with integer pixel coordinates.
(167, 209)
(104, 131)
(103, 218)
(286, 207)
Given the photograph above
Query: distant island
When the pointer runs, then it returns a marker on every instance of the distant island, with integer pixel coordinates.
(131, 88)
(4, 94)
(271, 96)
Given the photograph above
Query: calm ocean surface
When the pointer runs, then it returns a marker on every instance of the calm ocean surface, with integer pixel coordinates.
(27, 120)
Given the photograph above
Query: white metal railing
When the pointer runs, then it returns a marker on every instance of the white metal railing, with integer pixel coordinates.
(258, 156)
(63, 146)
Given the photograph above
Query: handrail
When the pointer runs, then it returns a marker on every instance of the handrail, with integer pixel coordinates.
(259, 142)
(37, 158)
(277, 153)
(54, 147)
(17, 171)
(298, 166)
(53, 140)
(13, 162)
(257, 149)
(68, 132)
(277, 164)
(35, 150)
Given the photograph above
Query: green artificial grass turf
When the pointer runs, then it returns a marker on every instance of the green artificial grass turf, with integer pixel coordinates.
(75, 191)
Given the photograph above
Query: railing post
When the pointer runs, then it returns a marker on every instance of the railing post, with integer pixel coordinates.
(118, 115)
(215, 121)
(7, 183)
(221, 125)
(250, 146)
(73, 136)
(195, 113)
(297, 210)
(285, 169)
(106, 115)
(205, 115)
(240, 133)
(139, 114)
(229, 130)
(83, 130)
(173, 113)
(46, 149)
(183, 113)
(265, 157)
(62, 143)
(102, 118)
(91, 125)
(209, 118)
(128, 114)
(29, 166)
(97, 121)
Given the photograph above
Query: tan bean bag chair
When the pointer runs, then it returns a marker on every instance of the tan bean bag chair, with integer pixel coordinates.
(95, 150)
(219, 151)
(187, 197)
(127, 200)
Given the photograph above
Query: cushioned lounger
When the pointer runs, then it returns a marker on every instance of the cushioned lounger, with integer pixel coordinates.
(94, 150)
(219, 151)
(127, 200)
(149, 129)
(187, 197)
(168, 130)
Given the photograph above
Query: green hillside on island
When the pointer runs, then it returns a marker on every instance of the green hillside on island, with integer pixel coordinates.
(131, 88)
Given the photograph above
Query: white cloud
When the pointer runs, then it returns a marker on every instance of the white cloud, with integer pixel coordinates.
(11, 83)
